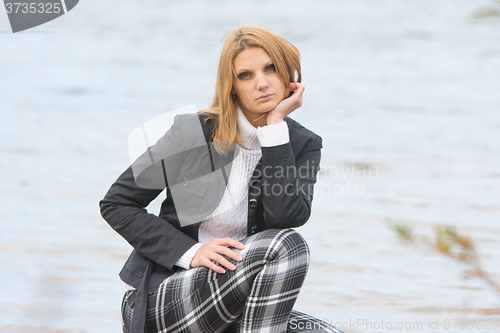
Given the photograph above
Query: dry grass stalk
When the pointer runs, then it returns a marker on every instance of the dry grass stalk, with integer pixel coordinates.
(453, 245)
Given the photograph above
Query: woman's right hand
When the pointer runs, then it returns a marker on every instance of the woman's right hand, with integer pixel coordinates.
(215, 251)
(289, 104)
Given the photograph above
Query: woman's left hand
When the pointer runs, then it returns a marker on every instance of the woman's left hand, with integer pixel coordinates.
(287, 105)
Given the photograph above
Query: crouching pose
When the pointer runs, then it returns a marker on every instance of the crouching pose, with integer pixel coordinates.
(221, 256)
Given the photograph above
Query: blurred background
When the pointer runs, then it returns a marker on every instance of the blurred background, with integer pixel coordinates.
(406, 95)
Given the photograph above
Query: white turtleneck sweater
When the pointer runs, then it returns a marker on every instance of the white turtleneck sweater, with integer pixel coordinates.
(230, 218)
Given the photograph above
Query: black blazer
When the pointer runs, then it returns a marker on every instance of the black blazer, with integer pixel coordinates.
(280, 194)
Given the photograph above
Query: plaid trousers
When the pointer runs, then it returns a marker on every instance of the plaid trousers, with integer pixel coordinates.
(258, 296)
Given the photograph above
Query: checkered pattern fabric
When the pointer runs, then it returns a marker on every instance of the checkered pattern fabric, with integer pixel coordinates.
(257, 296)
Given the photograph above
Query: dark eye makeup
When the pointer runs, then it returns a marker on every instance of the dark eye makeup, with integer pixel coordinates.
(243, 75)
(270, 68)
(246, 75)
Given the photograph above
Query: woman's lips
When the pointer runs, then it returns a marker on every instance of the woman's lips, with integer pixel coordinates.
(264, 98)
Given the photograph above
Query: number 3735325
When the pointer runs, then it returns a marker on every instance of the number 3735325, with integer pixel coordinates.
(41, 7)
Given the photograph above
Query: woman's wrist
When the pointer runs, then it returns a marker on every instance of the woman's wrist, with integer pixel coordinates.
(273, 135)
(274, 119)
(187, 257)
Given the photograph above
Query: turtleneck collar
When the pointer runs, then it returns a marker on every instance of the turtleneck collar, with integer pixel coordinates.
(247, 132)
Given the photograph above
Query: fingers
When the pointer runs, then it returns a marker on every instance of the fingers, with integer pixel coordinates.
(222, 249)
(229, 242)
(224, 262)
(214, 267)
(287, 105)
(298, 90)
(215, 252)
(295, 86)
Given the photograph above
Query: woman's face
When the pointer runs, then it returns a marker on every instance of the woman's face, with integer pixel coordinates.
(257, 84)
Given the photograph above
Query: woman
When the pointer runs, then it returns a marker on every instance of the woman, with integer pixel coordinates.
(221, 256)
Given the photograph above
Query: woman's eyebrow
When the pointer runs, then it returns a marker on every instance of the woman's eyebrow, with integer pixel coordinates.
(241, 70)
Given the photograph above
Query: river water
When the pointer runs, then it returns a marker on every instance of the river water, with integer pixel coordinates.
(404, 94)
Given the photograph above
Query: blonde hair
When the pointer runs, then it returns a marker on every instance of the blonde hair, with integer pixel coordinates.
(286, 59)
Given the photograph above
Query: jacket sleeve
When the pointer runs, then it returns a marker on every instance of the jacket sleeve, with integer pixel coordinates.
(124, 205)
(288, 180)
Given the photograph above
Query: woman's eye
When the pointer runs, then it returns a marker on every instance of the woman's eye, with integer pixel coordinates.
(243, 75)
(270, 68)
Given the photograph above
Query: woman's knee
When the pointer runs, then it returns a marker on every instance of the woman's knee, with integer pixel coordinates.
(287, 237)
(278, 242)
(295, 245)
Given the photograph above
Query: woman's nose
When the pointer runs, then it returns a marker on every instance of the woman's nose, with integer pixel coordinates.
(262, 82)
